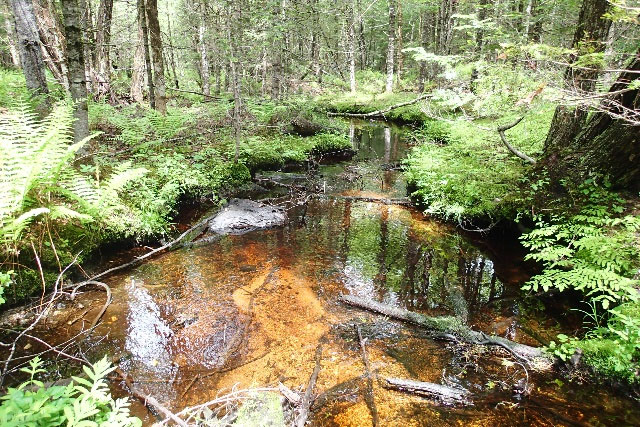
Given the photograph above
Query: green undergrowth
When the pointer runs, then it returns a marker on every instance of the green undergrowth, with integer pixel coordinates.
(461, 170)
(592, 247)
(142, 167)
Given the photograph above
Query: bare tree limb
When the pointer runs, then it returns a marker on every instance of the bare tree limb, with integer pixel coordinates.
(501, 131)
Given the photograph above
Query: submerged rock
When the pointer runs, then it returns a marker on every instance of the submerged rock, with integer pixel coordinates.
(241, 216)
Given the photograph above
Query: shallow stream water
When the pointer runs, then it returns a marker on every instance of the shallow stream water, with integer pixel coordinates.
(250, 310)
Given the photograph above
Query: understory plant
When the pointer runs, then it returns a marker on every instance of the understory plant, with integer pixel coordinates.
(596, 252)
(84, 402)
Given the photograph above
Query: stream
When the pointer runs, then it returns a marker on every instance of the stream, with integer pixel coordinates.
(250, 310)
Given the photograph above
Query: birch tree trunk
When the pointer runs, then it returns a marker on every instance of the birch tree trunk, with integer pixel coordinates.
(204, 60)
(233, 34)
(391, 45)
(137, 77)
(30, 50)
(155, 40)
(72, 11)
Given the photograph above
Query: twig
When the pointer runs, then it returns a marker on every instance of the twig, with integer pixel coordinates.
(149, 401)
(369, 397)
(106, 304)
(308, 395)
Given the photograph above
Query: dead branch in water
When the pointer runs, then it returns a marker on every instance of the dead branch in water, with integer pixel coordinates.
(106, 288)
(450, 328)
(308, 395)
(446, 394)
(381, 113)
(369, 397)
(191, 233)
(149, 401)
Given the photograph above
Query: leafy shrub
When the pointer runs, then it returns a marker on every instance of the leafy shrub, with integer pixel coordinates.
(82, 403)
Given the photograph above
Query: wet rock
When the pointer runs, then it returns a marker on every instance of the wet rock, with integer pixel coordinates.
(241, 216)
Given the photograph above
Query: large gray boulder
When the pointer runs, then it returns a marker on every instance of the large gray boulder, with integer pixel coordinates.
(241, 216)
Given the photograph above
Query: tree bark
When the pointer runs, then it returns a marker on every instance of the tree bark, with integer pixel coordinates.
(445, 26)
(103, 39)
(29, 47)
(155, 40)
(204, 60)
(72, 11)
(391, 45)
(352, 46)
(12, 38)
(399, 47)
(233, 17)
(172, 54)
(50, 29)
(142, 19)
(482, 15)
(137, 77)
(590, 37)
(609, 142)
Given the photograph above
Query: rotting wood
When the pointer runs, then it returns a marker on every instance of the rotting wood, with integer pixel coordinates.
(307, 399)
(445, 394)
(369, 396)
(381, 113)
(452, 328)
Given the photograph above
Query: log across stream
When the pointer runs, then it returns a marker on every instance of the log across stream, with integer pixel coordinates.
(250, 310)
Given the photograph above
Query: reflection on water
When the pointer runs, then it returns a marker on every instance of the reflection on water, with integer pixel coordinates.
(251, 309)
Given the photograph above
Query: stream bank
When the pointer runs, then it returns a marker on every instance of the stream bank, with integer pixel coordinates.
(250, 310)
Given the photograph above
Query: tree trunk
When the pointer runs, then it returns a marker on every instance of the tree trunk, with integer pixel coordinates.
(72, 11)
(155, 40)
(590, 37)
(391, 45)
(30, 50)
(103, 39)
(204, 60)
(172, 54)
(609, 142)
(352, 46)
(137, 77)
(50, 29)
(445, 26)
(142, 19)
(12, 37)
(482, 15)
(399, 47)
(425, 33)
(233, 33)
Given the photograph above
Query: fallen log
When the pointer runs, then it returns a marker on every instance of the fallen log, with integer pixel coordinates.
(450, 327)
(402, 201)
(448, 395)
(381, 113)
